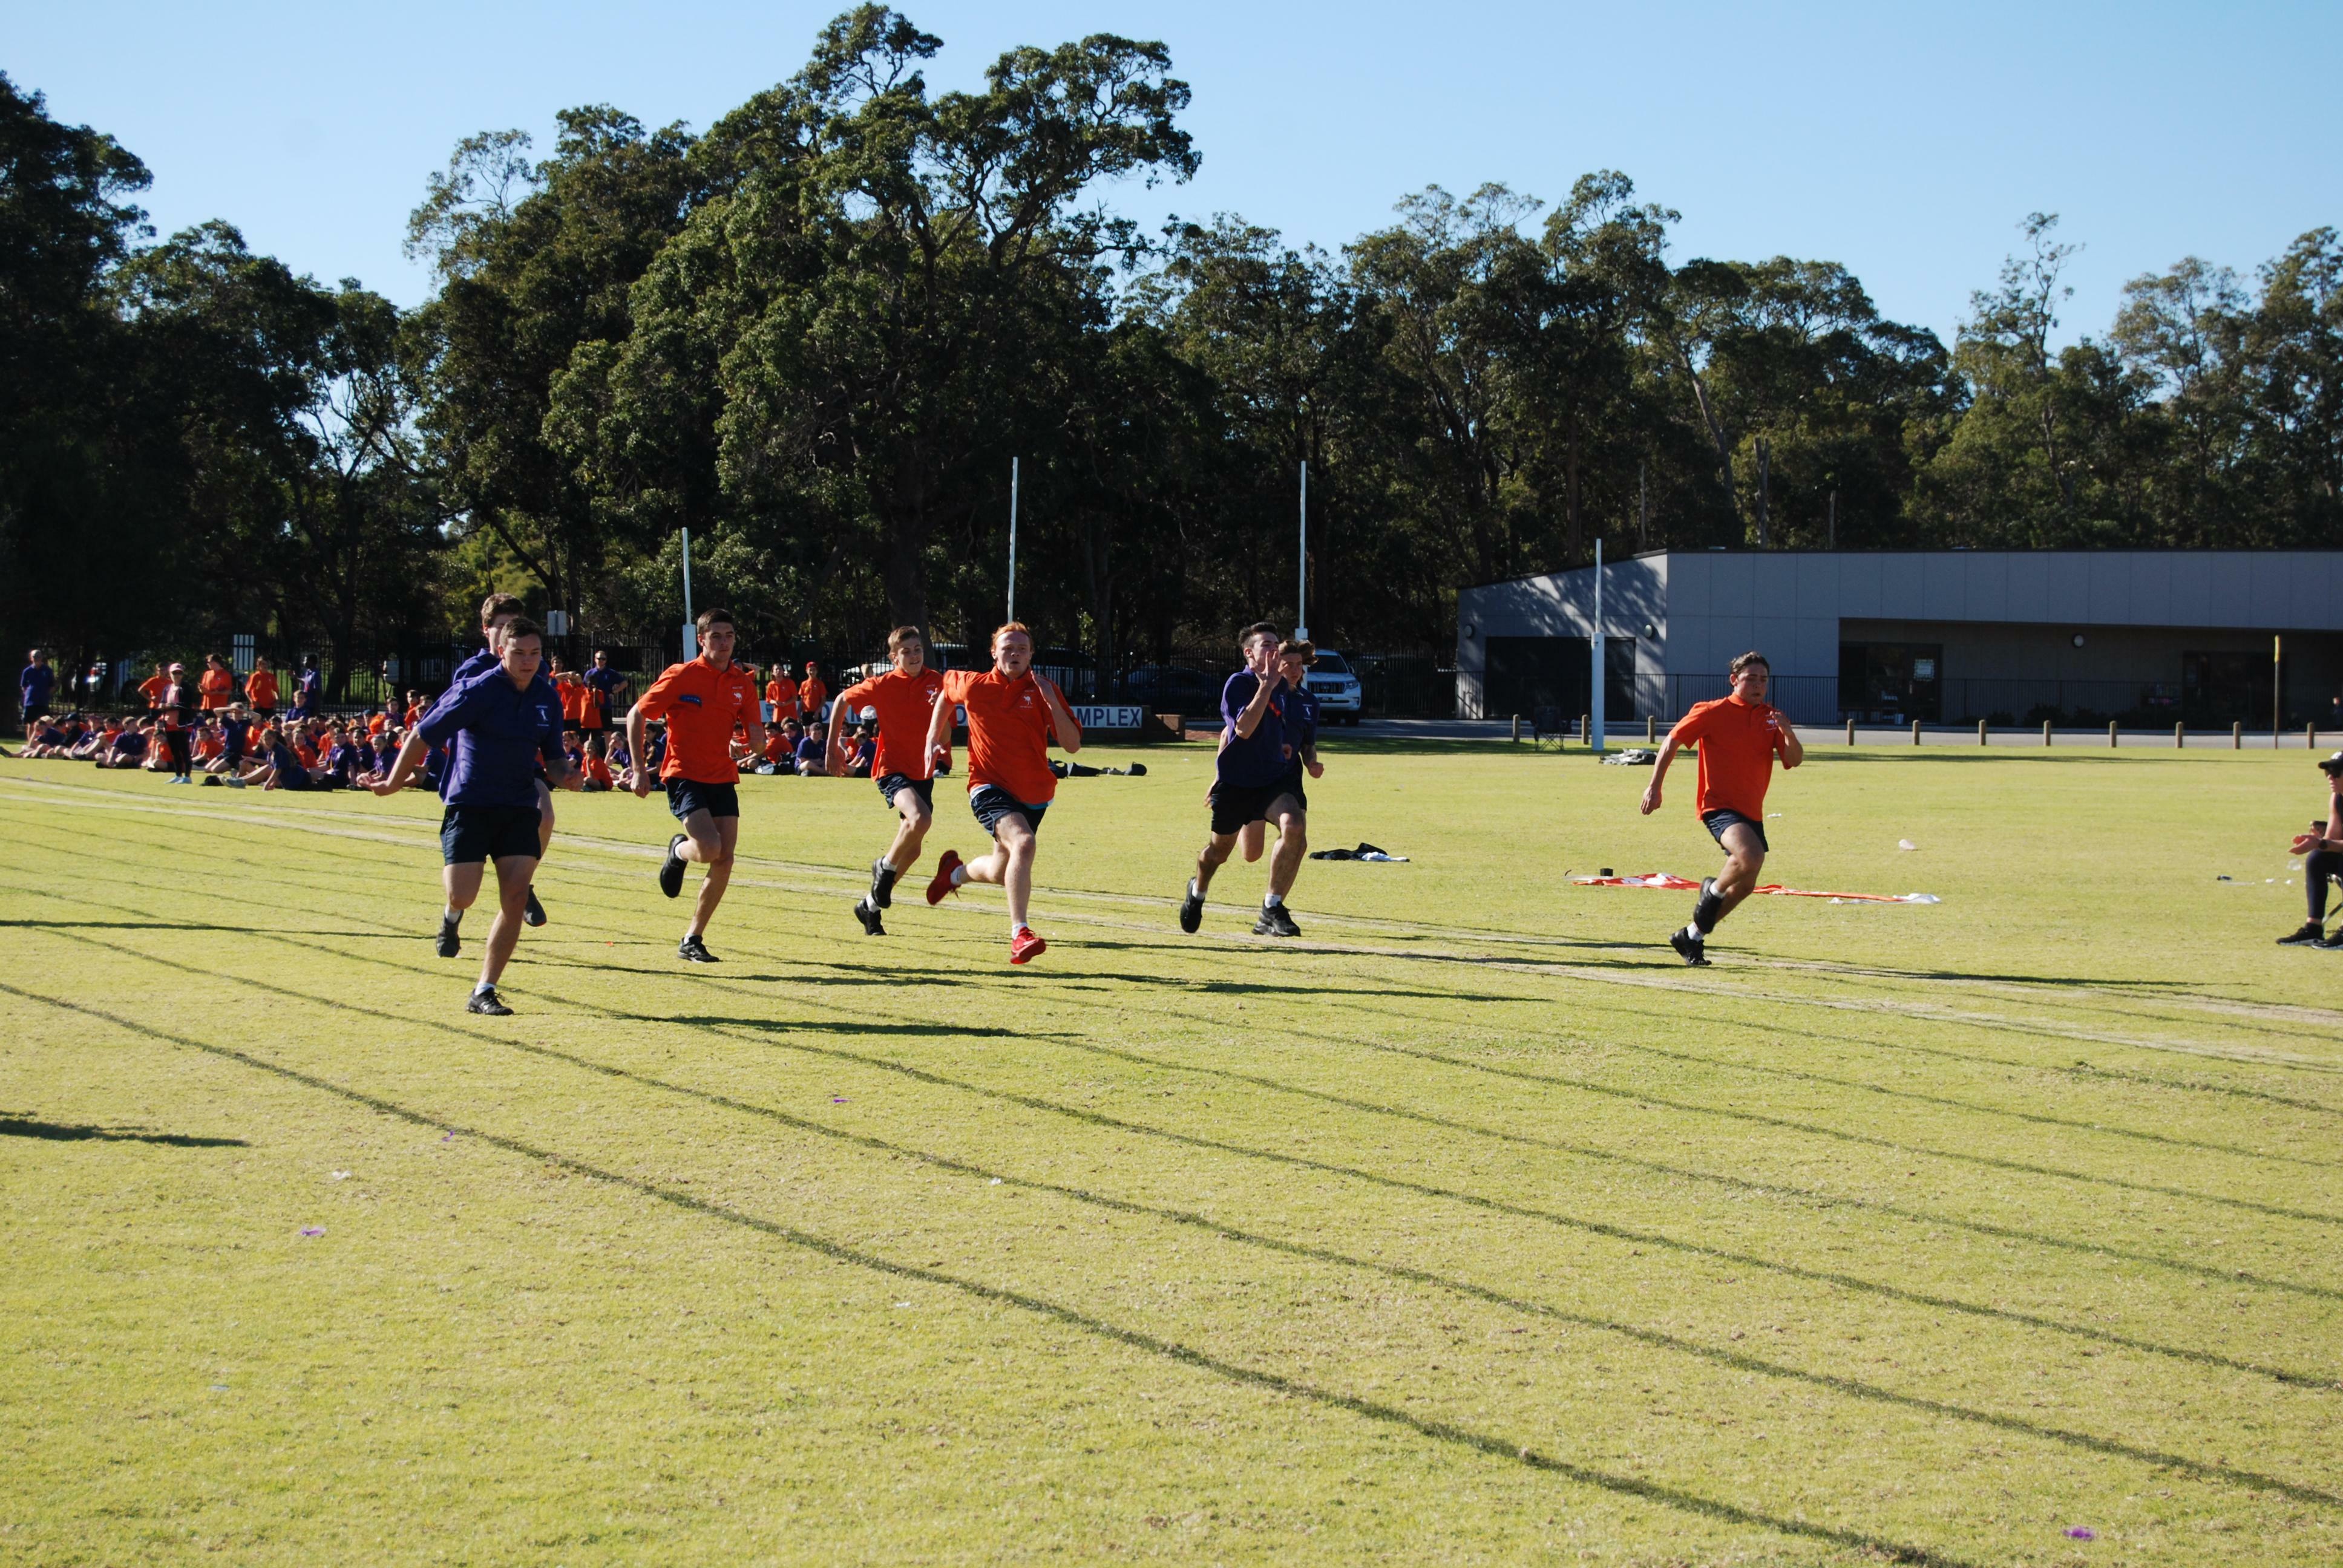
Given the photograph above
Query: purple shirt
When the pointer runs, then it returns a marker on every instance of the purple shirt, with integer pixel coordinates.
(1251, 762)
(499, 734)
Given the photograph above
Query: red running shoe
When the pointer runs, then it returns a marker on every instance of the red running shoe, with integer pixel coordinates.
(942, 883)
(1025, 947)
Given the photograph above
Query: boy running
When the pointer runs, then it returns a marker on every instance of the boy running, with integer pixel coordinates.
(1252, 785)
(1739, 737)
(701, 701)
(506, 722)
(1293, 661)
(497, 611)
(1012, 713)
(904, 699)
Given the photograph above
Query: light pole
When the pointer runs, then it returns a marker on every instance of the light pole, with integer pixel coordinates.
(1595, 709)
(690, 627)
(1301, 574)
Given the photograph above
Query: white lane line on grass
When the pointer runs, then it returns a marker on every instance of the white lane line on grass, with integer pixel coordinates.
(1924, 1010)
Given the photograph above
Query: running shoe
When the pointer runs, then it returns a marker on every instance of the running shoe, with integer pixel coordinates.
(2311, 935)
(671, 869)
(1275, 922)
(534, 915)
(942, 883)
(691, 950)
(866, 912)
(451, 937)
(1692, 949)
(489, 1002)
(1191, 909)
(2333, 944)
(1025, 947)
(882, 883)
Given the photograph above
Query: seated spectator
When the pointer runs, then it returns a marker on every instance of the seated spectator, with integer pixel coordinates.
(46, 737)
(94, 740)
(596, 767)
(208, 744)
(864, 753)
(810, 758)
(616, 753)
(129, 748)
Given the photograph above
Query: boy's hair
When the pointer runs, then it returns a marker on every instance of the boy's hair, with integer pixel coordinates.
(500, 604)
(520, 625)
(1006, 626)
(903, 635)
(709, 618)
(1307, 652)
(1745, 660)
(1258, 628)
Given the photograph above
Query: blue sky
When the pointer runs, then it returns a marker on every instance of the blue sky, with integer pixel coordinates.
(1905, 142)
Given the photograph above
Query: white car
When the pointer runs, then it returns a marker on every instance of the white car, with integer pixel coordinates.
(1340, 696)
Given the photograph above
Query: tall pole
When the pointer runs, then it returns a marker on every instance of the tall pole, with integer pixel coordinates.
(690, 627)
(2277, 686)
(1012, 539)
(1301, 578)
(1595, 709)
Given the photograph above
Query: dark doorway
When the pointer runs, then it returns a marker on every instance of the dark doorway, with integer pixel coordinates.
(2224, 688)
(1884, 682)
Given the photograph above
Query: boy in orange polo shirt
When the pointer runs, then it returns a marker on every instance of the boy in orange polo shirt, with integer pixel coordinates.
(1012, 715)
(701, 700)
(260, 690)
(811, 692)
(904, 700)
(1739, 737)
(782, 695)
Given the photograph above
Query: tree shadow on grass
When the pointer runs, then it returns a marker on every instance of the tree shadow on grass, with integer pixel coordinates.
(13, 1125)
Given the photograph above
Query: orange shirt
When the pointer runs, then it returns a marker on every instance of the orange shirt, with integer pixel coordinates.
(782, 693)
(377, 724)
(260, 688)
(812, 694)
(598, 771)
(1736, 754)
(153, 687)
(905, 703)
(701, 704)
(219, 688)
(573, 694)
(1008, 732)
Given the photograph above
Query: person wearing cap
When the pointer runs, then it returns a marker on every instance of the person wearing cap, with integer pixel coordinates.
(181, 703)
(2321, 850)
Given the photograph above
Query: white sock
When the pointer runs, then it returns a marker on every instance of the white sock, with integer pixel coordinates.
(452, 916)
(483, 985)
(1018, 928)
(1694, 933)
(1194, 892)
(1271, 901)
(960, 875)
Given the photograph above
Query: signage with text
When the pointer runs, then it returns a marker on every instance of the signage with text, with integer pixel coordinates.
(1109, 715)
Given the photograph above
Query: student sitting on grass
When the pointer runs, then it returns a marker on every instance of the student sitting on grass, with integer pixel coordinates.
(596, 768)
(810, 760)
(47, 736)
(864, 751)
(93, 740)
(127, 748)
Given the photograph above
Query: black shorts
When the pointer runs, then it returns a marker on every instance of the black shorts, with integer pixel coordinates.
(1296, 785)
(685, 796)
(1717, 821)
(925, 788)
(470, 834)
(1234, 806)
(992, 803)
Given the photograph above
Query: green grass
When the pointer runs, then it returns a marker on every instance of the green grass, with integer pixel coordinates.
(1470, 1227)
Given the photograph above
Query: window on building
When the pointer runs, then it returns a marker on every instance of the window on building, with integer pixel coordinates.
(1886, 682)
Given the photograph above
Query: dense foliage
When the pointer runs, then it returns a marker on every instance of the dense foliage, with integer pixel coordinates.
(817, 335)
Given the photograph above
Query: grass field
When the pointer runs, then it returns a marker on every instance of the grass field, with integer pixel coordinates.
(1470, 1228)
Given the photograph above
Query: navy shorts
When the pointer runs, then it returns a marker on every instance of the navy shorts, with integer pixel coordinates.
(925, 788)
(1717, 821)
(470, 834)
(992, 803)
(684, 798)
(1236, 805)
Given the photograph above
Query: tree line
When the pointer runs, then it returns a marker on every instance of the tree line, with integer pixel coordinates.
(817, 334)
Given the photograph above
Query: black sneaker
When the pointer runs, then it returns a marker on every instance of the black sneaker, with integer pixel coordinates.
(671, 869)
(693, 951)
(1192, 910)
(451, 938)
(1693, 949)
(1275, 922)
(2310, 935)
(2333, 944)
(489, 1002)
(534, 915)
(867, 911)
(882, 886)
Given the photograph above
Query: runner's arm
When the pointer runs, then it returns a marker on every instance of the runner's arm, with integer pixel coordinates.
(410, 757)
(1249, 718)
(1786, 741)
(637, 733)
(1668, 750)
(1061, 717)
(940, 723)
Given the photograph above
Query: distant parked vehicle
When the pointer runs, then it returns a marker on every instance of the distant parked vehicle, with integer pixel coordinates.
(1331, 682)
(1172, 689)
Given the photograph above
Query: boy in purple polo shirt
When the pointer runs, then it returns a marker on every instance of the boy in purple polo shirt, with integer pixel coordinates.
(1250, 785)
